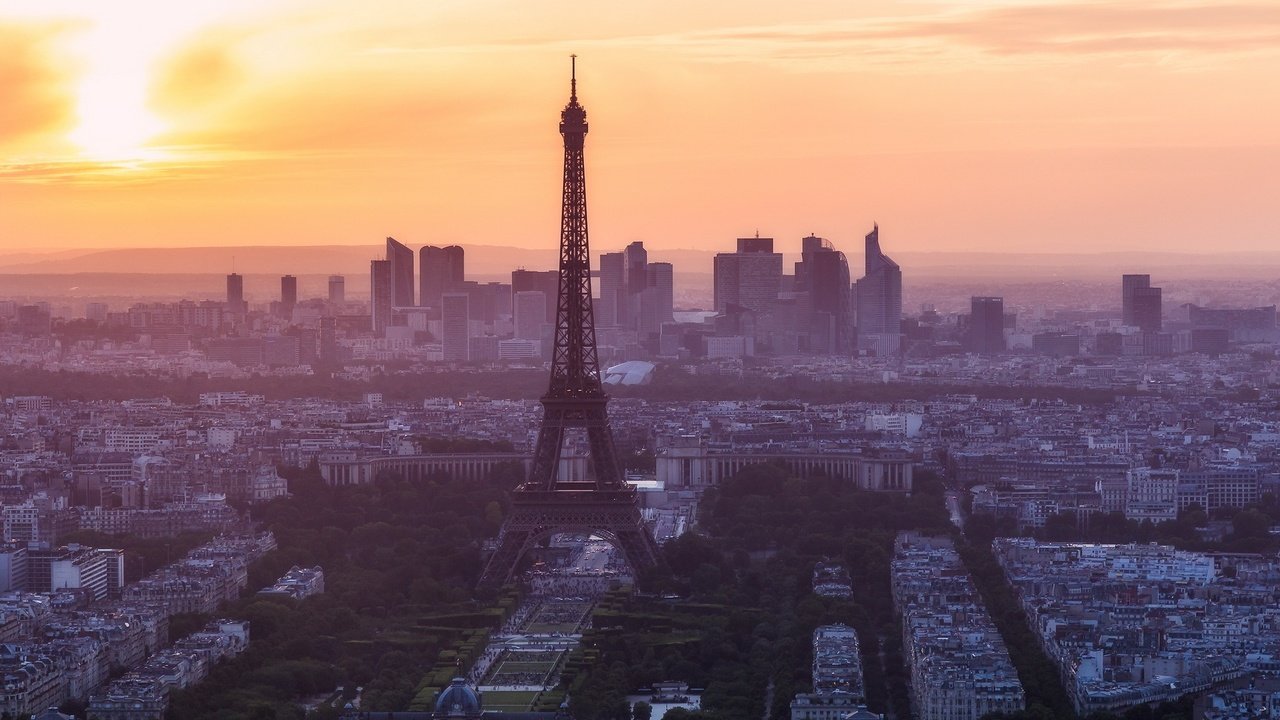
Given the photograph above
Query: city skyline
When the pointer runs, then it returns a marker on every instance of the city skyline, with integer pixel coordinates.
(485, 482)
(1144, 125)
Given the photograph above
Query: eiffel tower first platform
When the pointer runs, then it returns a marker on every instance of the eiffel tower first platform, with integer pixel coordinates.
(542, 505)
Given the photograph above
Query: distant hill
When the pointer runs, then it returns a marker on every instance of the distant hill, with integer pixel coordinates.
(488, 262)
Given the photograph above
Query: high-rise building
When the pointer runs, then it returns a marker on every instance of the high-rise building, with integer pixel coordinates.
(530, 314)
(823, 272)
(441, 270)
(636, 259)
(380, 297)
(879, 298)
(401, 259)
(337, 289)
(546, 282)
(455, 322)
(235, 294)
(288, 295)
(613, 275)
(657, 300)
(1129, 285)
(755, 244)
(1141, 303)
(749, 278)
(986, 325)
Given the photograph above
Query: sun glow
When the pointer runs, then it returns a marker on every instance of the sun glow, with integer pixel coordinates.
(114, 121)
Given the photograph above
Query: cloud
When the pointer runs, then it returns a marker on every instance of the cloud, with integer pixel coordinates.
(1055, 30)
(30, 98)
(202, 74)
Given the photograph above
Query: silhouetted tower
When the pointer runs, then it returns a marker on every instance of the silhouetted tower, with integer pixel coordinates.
(543, 504)
(288, 295)
(235, 294)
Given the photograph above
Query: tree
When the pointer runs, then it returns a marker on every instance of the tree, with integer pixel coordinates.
(642, 711)
(493, 513)
(1251, 524)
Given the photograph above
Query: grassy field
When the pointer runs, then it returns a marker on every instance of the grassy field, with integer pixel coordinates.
(509, 701)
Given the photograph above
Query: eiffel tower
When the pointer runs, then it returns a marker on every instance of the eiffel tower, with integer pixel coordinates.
(543, 505)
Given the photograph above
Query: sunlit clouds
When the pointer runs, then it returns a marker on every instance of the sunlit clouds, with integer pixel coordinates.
(958, 125)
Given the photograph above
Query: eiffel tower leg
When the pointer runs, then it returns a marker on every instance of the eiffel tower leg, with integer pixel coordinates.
(546, 455)
(636, 553)
(511, 547)
(604, 457)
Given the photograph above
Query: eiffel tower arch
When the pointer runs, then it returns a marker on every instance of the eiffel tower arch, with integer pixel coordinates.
(575, 400)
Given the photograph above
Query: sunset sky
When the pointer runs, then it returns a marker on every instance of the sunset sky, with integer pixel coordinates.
(990, 125)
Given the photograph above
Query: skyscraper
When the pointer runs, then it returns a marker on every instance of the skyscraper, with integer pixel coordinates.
(380, 297)
(337, 289)
(455, 323)
(613, 275)
(546, 282)
(530, 314)
(1129, 284)
(657, 299)
(749, 278)
(441, 270)
(1142, 303)
(235, 294)
(401, 259)
(986, 325)
(636, 259)
(288, 295)
(823, 272)
(879, 295)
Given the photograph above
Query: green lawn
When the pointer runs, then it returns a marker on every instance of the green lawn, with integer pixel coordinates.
(508, 701)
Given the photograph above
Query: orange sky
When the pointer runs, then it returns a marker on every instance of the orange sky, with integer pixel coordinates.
(985, 125)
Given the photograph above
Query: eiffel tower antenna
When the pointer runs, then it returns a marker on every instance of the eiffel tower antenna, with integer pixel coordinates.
(543, 504)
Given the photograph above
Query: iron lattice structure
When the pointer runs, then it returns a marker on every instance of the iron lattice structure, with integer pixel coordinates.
(543, 505)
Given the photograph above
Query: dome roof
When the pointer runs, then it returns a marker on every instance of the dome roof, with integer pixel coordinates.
(458, 701)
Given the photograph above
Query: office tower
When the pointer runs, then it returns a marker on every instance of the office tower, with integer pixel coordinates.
(636, 259)
(401, 259)
(380, 297)
(1129, 285)
(337, 289)
(823, 272)
(879, 297)
(235, 294)
(657, 300)
(986, 325)
(441, 270)
(488, 300)
(34, 320)
(546, 282)
(1141, 303)
(530, 314)
(455, 322)
(288, 295)
(750, 278)
(613, 275)
(755, 244)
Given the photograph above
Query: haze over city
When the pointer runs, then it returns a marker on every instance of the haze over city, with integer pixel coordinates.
(923, 364)
(989, 126)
